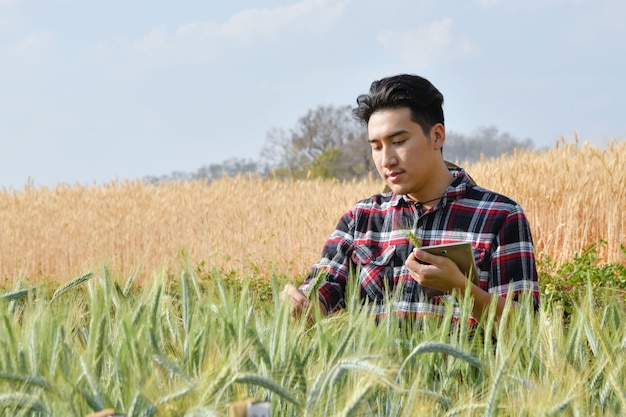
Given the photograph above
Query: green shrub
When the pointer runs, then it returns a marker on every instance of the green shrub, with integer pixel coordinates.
(567, 283)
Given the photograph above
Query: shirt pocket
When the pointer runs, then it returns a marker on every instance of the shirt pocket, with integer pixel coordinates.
(375, 269)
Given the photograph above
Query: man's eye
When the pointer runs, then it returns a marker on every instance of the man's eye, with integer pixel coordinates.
(399, 142)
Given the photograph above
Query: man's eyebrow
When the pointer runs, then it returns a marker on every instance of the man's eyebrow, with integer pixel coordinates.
(392, 135)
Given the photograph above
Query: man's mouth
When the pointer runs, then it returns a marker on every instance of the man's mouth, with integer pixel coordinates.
(392, 176)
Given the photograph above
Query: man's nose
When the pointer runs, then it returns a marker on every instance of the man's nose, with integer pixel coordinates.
(389, 157)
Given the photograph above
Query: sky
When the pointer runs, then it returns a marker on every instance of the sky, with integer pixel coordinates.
(98, 91)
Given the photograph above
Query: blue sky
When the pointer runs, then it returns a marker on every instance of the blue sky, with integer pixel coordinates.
(94, 91)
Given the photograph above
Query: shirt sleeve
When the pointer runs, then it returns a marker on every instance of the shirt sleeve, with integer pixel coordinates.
(513, 267)
(330, 274)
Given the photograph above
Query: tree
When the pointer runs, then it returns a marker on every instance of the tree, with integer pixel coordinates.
(231, 167)
(326, 142)
(485, 142)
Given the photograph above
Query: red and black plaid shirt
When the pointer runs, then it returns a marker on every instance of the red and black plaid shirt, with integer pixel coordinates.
(371, 238)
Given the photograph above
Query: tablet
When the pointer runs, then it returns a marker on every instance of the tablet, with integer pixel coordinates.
(461, 253)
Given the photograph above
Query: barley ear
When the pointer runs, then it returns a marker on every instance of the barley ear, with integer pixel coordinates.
(16, 294)
(414, 239)
(74, 283)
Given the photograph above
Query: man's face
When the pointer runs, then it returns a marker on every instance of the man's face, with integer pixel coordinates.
(404, 155)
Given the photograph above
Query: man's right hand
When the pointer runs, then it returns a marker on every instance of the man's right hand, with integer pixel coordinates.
(297, 299)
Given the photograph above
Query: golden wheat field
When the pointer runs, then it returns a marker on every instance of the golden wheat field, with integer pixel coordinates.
(573, 194)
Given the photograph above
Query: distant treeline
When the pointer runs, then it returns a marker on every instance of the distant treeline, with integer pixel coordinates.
(328, 142)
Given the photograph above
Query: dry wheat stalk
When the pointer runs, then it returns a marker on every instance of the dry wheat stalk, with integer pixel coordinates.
(573, 196)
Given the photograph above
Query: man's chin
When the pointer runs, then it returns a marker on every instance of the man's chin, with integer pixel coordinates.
(396, 188)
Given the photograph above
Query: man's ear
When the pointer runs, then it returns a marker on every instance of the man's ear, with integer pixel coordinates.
(438, 135)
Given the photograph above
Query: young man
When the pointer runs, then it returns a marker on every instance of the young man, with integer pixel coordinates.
(440, 204)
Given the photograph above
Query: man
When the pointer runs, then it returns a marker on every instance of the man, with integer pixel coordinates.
(439, 203)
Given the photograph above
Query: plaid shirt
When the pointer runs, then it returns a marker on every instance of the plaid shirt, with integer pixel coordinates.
(371, 239)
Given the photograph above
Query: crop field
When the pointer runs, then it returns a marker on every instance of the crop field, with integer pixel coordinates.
(573, 196)
(161, 300)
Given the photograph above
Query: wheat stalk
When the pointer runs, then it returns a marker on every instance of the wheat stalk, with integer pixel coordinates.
(135, 224)
(28, 379)
(23, 401)
(446, 349)
(268, 384)
(68, 286)
(16, 294)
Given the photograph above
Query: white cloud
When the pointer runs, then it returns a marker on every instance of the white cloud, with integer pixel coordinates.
(487, 3)
(200, 41)
(306, 15)
(99, 53)
(532, 5)
(427, 45)
(31, 55)
(33, 43)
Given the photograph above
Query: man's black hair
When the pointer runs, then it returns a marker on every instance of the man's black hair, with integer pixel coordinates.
(404, 90)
